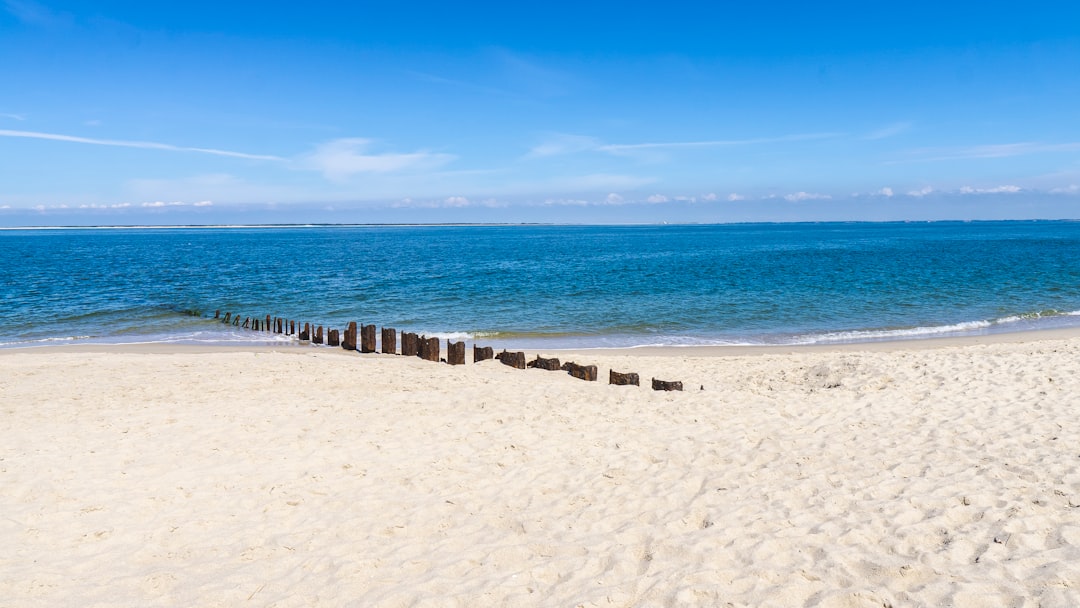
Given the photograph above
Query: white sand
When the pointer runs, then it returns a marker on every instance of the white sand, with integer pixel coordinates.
(856, 477)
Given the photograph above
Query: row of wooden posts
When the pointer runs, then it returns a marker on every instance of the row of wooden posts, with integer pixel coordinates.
(413, 345)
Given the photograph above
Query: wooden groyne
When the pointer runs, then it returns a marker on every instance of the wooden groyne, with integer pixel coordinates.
(428, 349)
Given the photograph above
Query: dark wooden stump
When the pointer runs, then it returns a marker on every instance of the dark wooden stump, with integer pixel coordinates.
(663, 385)
(367, 338)
(266, 326)
(516, 360)
(389, 340)
(455, 353)
(349, 341)
(429, 349)
(624, 379)
(227, 315)
(217, 314)
(333, 338)
(410, 344)
(292, 328)
(246, 323)
(583, 372)
(305, 334)
(236, 321)
(552, 365)
(318, 337)
(278, 326)
(482, 353)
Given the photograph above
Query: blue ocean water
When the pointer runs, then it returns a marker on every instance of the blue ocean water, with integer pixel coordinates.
(544, 286)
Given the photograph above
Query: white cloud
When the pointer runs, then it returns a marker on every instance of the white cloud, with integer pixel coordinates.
(613, 199)
(805, 196)
(1071, 189)
(986, 151)
(657, 198)
(996, 190)
(563, 143)
(888, 131)
(925, 190)
(342, 158)
(735, 196)
(456, 201)
(19, 117)
(5, 206)
(145, 145)
(886, 191)
(710, 197)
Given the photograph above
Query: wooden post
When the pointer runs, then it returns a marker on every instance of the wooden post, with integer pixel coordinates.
(410, 345)
(349, 343)
(217, 314)
(631, 378)
(292, 327)
(548, 364)
(663, 385)
(227, 315)
(583, 372)
(389, 340)
(317, 338)
(266, 327)
(455, 353)
(482, 353)
(367, 338)
(305, 334)
(512, 359)
(429, 349)
(333, 338)
(236, 321)
(246, 322)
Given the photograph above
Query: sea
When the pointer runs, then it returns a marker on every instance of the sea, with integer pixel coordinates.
(542, 286)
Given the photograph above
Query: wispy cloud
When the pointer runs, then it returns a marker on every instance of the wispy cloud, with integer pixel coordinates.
(19, 117)
(1007, 189)
(806, 196)
(921, 192)
(714, 143)
(1070, 189)
(565, 143)
(145, 145)
(33, 13)
(340, 159)
(888, 131)
(985, 151)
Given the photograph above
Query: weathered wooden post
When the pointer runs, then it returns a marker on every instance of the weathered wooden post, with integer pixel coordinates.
(548, 364)
(367, 338)
(255, 324)
(582, 372)
(516, 360)
(482, 353)
(333, 338)
(662, 385)
(246, 322)
(389, 340)
(236, 321)
(429, 349)
(410, 344)
(292, 327)
(455, 353)
(317, 338)
(217, 314)
(305, 334)
(349, 342)
(227, 315)
(617, 378)
(266, 326)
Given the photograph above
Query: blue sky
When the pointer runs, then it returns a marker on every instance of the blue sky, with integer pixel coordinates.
(198, 112)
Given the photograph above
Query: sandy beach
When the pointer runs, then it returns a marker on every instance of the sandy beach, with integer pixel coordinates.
(941, 473)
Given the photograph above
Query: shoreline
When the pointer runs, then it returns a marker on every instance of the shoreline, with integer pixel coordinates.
(911, 344)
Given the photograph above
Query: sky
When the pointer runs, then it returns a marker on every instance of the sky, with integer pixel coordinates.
(121, 113)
